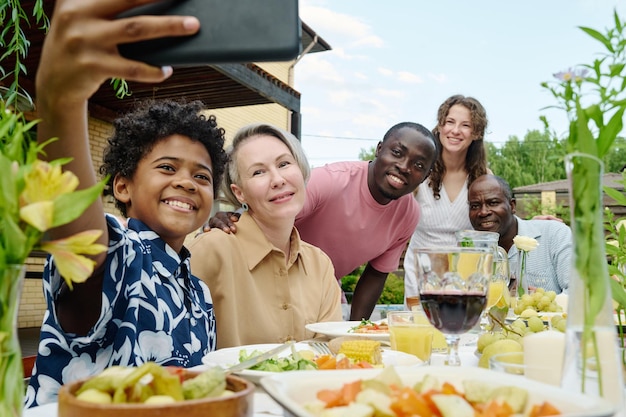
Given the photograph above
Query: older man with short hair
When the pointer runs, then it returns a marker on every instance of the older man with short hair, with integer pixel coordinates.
(492, 209)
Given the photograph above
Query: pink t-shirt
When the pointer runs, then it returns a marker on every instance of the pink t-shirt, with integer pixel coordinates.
(341, 217)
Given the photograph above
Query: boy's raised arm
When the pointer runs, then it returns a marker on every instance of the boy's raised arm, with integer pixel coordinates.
(79, 54)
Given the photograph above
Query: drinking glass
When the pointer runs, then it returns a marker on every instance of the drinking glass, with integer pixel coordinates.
(499, 284)
(453, 283)
(407, 334)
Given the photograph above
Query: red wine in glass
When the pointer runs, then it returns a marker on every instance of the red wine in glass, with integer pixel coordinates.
(453, 312)
(452, 284)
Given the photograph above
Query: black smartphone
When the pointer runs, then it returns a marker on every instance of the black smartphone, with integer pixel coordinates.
(230, 31)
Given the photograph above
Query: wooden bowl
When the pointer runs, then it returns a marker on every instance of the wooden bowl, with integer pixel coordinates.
(237, 405)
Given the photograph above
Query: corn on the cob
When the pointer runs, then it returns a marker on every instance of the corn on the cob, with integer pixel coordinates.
(362, 350)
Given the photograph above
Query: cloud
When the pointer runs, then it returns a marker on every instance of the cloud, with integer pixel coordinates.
(390, 93)
(341, 97)
(385, 71)
(440, 78)
(409, 77)
(337, 27)
(370, 41)
(320, 70)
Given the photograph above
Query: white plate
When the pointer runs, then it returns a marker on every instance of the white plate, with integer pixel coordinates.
(230, 356)
(293, 391)
(342, 328)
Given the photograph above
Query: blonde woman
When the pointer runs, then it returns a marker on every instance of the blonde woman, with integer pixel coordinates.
(266, 283)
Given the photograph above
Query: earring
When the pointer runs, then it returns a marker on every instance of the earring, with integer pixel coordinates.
(244, 206)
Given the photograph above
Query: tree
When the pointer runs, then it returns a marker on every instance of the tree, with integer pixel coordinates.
(538, 158)
(615, 159)
(367, 155)
(13, 18)
(13, 21)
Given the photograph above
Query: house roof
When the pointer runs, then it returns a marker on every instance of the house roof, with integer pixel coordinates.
(218, 86)
(611, 179)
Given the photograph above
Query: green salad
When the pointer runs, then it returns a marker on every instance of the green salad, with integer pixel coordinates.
(296, 361)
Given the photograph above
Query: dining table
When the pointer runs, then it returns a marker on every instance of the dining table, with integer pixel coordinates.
(265, 406)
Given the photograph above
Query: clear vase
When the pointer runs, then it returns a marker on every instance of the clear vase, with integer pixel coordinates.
(11, 372)
(522, 281)
(591, 364)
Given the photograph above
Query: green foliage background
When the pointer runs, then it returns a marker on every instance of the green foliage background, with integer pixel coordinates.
(393, 292)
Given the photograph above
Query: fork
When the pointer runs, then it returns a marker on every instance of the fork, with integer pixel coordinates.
(320, 348)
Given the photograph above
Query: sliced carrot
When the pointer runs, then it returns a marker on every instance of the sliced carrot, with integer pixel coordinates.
(343, 363)
(448, 388)
(339, 397)
(410, 403)
(543, 410)
(329, 362)
(350, 391)
(497, 409)
(427, 396)
(363, 365)
(331, 397)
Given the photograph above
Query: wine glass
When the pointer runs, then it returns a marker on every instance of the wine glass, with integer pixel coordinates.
(498, 294)
(452, 284)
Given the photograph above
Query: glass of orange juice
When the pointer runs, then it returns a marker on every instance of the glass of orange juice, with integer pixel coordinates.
(439, 340)
(407, 334)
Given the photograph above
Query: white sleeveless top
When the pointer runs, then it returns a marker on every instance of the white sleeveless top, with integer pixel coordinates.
(440, 218)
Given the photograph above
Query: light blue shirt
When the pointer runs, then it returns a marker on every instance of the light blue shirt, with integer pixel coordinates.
(549, 264)
(153, 309)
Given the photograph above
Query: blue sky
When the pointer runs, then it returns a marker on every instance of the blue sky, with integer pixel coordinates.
(397, 60)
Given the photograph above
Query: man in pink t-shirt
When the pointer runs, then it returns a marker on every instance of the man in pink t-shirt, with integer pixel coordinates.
(363, 212)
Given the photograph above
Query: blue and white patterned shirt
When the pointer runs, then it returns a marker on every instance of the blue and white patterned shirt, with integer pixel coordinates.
(153, 309)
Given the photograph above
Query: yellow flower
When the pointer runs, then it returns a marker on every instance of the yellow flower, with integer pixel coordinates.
(45, 182)
(525, 243)
(620, 225)
(613, 242)
(74, 267)
(39, 215)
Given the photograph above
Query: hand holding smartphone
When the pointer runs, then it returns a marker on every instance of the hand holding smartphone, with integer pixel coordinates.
(230, 31)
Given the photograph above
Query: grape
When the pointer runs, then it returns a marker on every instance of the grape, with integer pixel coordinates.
(519, 324)
(560, 326)
(540, 301)
(535, 324)
(485, 340)
(558, 323)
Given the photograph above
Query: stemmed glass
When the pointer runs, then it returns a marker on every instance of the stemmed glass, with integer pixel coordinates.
(453, 283)
(498, 294)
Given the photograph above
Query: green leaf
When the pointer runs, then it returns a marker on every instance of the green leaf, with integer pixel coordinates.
(598, 36)
(585, 142)
(17, 249)
(618, 292)
(609, 133)
(69, 207)
(594, 112)
(615, 195)
(616, 19)
(616, 69)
